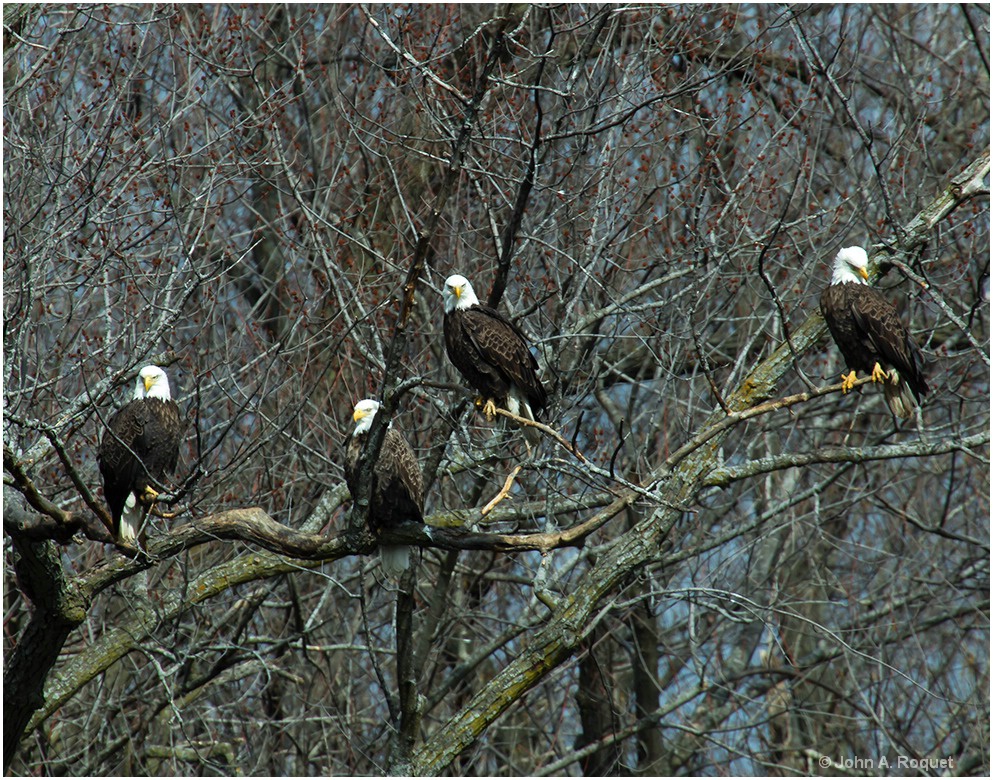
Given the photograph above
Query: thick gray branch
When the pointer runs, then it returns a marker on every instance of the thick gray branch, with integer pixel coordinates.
(917, 449)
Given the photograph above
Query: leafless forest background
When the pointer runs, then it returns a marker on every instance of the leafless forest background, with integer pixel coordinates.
(749, 572)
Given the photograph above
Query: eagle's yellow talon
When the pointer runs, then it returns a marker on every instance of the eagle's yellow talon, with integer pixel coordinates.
(848, 382)
(487, 406)
(878, 375)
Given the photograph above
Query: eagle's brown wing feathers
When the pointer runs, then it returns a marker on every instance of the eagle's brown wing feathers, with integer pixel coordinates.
(887, 336)
(868, 330)
(397, 486)
(139, 449)
(400, 480)
(501, 353)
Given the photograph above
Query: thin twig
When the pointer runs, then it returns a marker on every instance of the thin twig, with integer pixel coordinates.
(545, 429)
(504, 491)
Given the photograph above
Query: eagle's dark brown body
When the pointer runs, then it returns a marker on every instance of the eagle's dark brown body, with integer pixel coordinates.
(139, 450)
(868, 330)
(397, 488)
(492, 354)
(397, 485)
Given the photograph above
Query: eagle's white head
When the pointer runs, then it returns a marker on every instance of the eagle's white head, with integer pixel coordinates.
(458, 294)
(363, 414)
(851, 265)
(152, 383)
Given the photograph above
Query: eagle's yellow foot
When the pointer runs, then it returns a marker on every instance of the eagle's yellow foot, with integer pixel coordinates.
(489, 407)
(149, 495)
(848, 382)
(878, 375)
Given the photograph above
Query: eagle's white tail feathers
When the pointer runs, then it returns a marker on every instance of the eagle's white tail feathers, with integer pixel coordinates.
(395, 558)
(899, 396)
(519, 406)
(513, 402)
(131, 519)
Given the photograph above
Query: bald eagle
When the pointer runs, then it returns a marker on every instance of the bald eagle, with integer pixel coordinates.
(870, 334)
(138, 450)
(491, 353)
(397, 487)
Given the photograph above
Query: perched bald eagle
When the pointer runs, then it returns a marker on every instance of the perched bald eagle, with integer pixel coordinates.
(870, 334)
(397, 486)
(491, 353)
(138, 450)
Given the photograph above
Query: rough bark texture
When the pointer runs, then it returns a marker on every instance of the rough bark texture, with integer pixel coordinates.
(58, 608)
